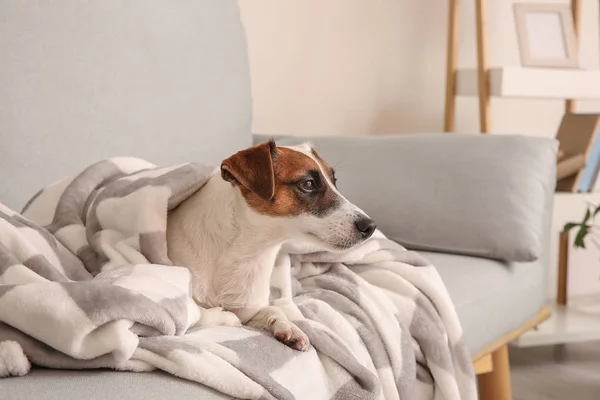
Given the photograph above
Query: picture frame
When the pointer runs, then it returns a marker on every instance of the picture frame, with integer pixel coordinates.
(546, 35)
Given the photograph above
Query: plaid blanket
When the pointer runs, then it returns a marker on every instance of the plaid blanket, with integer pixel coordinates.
(85, 282)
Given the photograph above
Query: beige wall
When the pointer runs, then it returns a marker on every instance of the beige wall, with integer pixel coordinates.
(377, 66)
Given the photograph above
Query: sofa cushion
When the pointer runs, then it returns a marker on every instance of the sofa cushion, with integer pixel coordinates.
(165, 80)
(103, 385)
(468, 194)
(491, 298)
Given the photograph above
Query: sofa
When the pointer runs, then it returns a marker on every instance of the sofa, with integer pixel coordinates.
(82, 81)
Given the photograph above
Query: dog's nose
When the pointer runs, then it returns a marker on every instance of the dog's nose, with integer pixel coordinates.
(366, 226)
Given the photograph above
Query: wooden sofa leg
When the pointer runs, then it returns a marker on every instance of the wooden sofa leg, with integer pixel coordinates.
(495, 385)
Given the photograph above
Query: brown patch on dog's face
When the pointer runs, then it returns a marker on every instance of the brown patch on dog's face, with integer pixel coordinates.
(252, 170)
(297, 182)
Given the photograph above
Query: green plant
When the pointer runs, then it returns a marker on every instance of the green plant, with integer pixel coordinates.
(585, 227)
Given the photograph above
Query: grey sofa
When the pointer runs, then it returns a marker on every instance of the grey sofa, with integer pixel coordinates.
(160, 80)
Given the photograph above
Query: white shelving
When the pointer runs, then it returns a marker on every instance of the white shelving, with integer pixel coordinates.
(538, 83)
(577, 322)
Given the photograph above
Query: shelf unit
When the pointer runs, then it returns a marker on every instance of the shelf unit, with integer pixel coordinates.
(532, 83)
(484, 82)
(580, 319)
(574, 318)
(577, 322)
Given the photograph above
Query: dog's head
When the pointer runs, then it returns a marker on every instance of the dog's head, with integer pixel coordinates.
(296, 189)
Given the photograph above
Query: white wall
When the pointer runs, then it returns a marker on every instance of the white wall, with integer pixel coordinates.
(378, 66)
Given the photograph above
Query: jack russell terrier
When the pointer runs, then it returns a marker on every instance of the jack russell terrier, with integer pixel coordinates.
(229, 233)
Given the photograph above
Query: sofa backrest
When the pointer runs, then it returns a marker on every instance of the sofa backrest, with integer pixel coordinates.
(165, 80)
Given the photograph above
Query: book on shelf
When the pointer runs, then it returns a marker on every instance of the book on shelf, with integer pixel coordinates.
(569, 166)
(577, 170)
(596, 187)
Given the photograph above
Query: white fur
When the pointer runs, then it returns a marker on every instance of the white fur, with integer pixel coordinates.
(13, 361)
(336, 230)
(231, 250)
(216, 316)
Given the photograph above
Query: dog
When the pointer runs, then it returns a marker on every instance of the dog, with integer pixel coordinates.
(228, 234)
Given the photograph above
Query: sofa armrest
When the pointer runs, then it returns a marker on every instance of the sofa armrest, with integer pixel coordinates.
(479, 195)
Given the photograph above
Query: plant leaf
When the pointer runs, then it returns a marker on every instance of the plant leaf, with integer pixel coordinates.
(569, 226)
(580, 237)
(597, 210)
(587, 217)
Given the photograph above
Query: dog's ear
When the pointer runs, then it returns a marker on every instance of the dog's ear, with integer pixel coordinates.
(253, 169)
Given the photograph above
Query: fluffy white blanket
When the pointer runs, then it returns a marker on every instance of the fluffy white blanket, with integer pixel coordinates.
(85, 282)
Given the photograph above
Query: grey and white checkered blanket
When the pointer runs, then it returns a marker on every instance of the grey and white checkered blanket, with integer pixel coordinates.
(85, 282)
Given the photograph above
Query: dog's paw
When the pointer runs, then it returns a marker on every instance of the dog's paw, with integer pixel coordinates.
(289, 334)
(229, 319)
(13, 361)
(217, 317)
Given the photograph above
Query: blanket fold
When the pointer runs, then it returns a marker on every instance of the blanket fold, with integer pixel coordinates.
(86, 282)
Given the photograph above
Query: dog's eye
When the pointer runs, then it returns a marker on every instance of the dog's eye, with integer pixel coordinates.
(308, 185)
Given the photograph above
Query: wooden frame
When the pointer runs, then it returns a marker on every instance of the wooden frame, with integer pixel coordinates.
(496, 385)
(482, 63)
(521, 11)
(451, 63)
(563, 261)
(483, 73)
(492, 365)
(575, 13)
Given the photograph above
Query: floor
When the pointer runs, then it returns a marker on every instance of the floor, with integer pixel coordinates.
(566, 372)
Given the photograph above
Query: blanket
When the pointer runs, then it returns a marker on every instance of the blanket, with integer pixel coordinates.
(85, 282)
